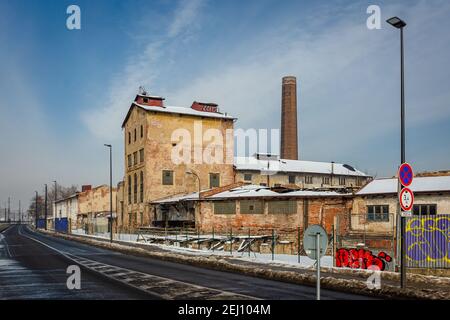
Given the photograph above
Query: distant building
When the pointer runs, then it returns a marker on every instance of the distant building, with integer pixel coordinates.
(67, 208)
(270, 170)
(94, 208)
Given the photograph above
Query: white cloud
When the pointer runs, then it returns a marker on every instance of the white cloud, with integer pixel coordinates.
(186, 14)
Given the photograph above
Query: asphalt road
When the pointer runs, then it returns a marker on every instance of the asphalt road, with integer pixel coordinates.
(47, 266)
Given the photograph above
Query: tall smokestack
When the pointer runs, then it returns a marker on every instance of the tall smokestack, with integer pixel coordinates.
(289, 143)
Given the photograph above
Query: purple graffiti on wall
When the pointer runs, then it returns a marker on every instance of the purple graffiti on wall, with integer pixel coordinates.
(428, 241)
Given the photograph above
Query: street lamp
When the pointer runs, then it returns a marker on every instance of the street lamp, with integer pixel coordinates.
(199, 189)
(46, 209)
(54, 205)
(398, 23)
(36, 211)
(110, 192)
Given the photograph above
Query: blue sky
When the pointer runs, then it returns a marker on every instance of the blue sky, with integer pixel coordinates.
(64, 93)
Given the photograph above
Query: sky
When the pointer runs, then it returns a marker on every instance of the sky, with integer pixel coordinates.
(64, 93)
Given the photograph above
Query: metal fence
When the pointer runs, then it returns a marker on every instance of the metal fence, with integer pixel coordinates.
(428, 242)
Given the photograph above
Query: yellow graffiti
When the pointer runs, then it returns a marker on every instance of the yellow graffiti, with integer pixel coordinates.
(427, 239)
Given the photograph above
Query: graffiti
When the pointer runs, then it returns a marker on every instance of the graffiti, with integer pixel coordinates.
(428, 241)
(362, 259)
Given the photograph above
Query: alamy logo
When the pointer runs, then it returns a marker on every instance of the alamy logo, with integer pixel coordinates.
(74, 280)
(73, 21)
(374, 20)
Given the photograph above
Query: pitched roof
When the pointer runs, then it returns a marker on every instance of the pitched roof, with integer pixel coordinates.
(177, 110)
(419, 184)
(285, 165)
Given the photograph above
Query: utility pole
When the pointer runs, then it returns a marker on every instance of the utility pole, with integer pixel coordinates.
(110, 193)
(20, 216)
(46, 209)
(36, 210)
(54, 212)
(9, 209)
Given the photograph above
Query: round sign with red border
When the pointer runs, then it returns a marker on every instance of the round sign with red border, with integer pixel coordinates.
(405, 174)
(406, 199)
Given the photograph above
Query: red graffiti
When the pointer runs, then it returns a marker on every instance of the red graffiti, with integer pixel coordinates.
(361, 259)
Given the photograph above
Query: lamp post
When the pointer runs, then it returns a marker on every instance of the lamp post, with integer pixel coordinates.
(400, 24)
(36, 210)
(110, 192)
(46, 209)
(54, 205)
(199, 189)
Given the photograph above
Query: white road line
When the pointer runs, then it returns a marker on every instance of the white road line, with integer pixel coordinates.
(87, 263)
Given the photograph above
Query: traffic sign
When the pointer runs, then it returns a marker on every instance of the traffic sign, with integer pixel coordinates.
(310, 240)
(405, 174)
(406, 199)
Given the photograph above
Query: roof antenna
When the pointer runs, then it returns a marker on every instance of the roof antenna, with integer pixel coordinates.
(142, 91)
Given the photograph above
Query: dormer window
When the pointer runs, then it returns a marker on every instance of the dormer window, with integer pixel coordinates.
(145, 100)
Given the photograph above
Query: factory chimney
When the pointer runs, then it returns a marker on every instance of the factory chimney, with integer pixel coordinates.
(289, 143)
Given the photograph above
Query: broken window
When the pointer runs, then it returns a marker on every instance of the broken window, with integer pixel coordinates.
(167, 177)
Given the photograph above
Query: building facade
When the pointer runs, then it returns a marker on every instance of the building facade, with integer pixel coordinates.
(67, 208)
(172, 150)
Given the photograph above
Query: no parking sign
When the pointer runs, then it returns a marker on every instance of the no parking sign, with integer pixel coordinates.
(406, 196)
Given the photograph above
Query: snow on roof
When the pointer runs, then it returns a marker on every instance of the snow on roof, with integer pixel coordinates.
(419, 184)
(184, 110)
(254, 191)
(285, 165)
(177, 198)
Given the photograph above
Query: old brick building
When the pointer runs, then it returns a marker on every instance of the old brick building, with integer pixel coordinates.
(166, 153)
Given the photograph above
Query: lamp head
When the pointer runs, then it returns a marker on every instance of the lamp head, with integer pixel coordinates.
(396, 22)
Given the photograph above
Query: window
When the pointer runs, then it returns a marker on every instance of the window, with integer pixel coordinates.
(145, 100)
(135, 134)
(214, 180)
(129, 137)
(424, 209)
(378, 213)
(129, 189)
(141, 155)
(225, 207)
(308, 179)
(135, 160)
(291, 179)
(121, 211)
(263, 184)
(135, 188)
(141, 218)
(130, 219)
(141, 191)
(247, 177)
(342, 181)
(129, 160)
(282, 207)
(167, 177)
(252, 207)
(325, 180)
(142, 131)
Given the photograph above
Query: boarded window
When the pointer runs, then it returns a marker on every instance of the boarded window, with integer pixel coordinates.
(214, 180)
(247, 177)
(167, 177)
(282, 207)
(252, 207)
(225, 207)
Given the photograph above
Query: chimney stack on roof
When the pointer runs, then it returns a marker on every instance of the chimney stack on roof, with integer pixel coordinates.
(86, 187)
(289, 142)
(205, 106)
(145, 99)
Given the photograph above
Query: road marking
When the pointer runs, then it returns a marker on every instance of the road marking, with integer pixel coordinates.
(161, 287)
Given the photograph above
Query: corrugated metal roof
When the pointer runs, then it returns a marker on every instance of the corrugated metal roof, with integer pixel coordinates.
(419, 184)
(285, 165)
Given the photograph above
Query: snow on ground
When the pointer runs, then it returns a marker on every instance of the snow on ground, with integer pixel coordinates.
(286, 259)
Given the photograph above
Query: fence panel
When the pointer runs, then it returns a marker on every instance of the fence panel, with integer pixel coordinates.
(428, 242)
(61, 225)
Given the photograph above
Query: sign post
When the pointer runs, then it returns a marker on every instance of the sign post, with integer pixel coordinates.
(406, 201)
(315, 243)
